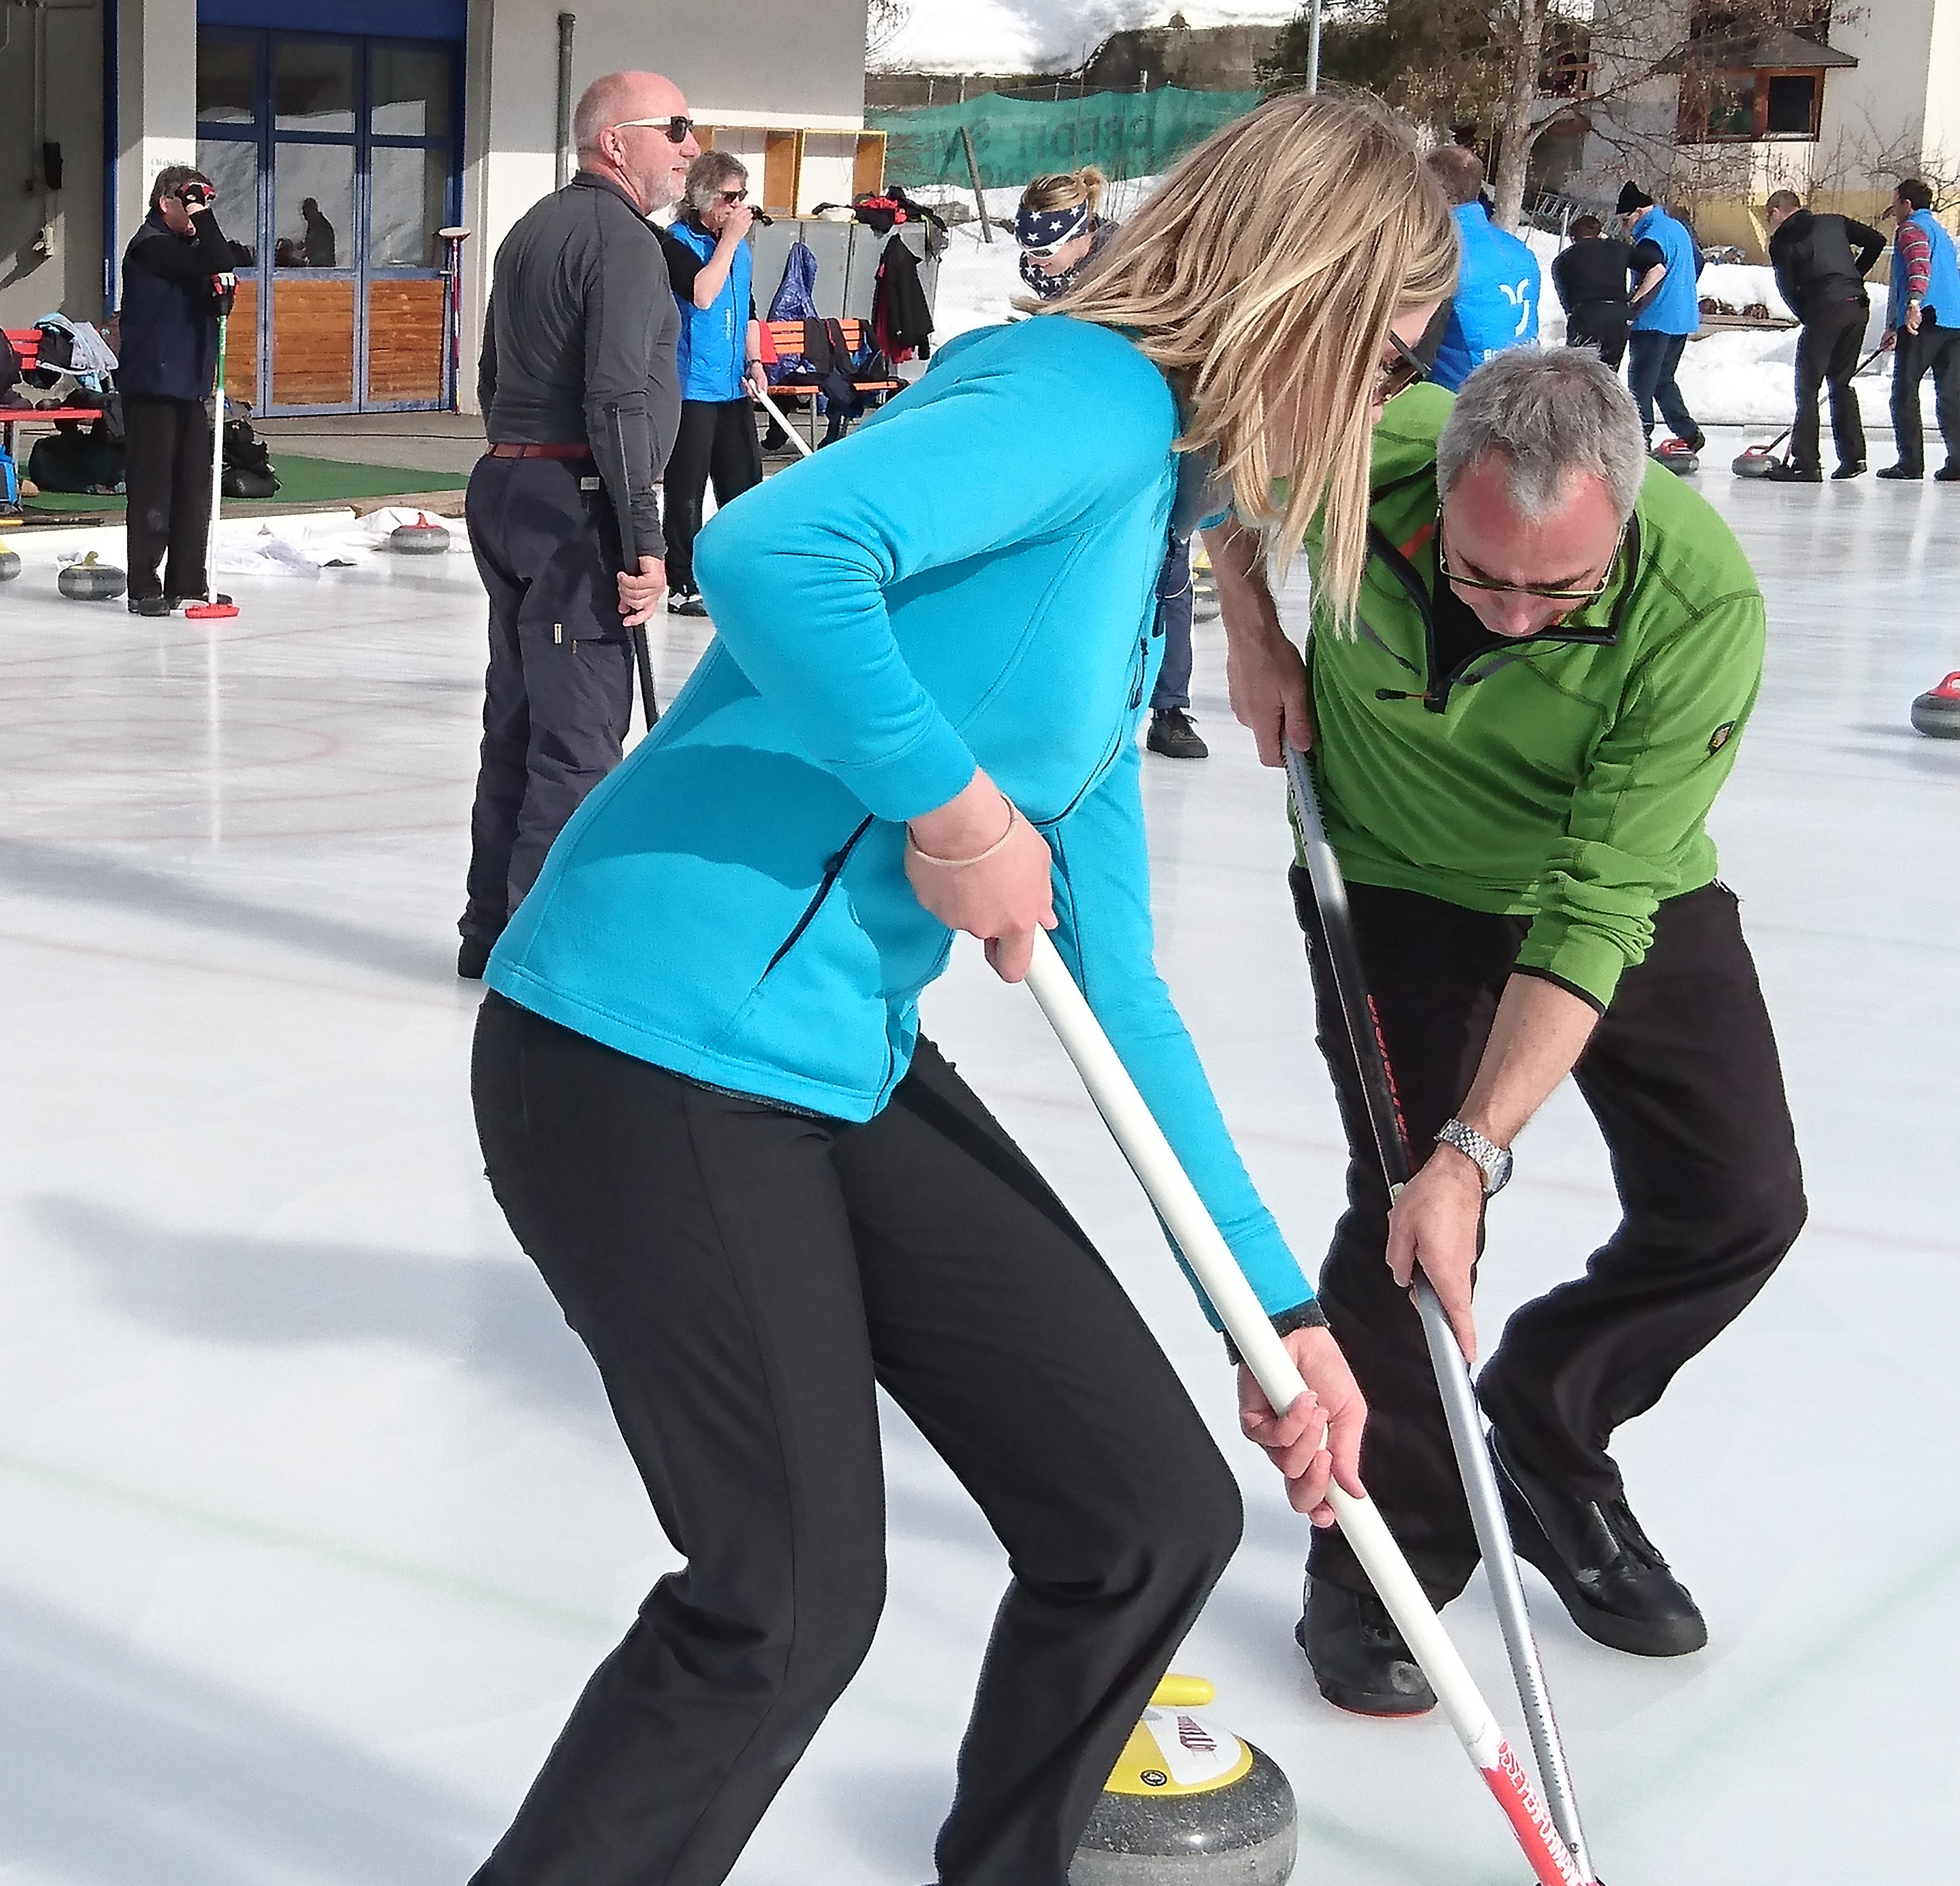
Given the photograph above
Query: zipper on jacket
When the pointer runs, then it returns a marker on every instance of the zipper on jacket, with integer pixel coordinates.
(833, 869)
(1435, 693)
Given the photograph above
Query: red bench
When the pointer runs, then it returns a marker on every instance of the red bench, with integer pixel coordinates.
(27, 344)
(786, 337)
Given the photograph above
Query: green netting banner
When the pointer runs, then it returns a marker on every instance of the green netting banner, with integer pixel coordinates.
(1126, 133)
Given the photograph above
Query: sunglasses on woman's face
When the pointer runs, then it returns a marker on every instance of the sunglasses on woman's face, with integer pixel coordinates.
(733, 196)
(678, 129)
(1400, 371)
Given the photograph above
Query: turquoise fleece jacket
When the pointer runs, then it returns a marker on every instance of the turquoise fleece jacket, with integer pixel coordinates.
(967, 578)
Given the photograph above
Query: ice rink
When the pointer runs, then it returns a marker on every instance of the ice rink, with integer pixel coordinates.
(312, 1520)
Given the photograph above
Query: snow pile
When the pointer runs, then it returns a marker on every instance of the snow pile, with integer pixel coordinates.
(1055, 35)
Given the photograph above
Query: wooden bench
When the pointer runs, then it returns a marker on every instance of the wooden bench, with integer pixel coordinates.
(27, 344)
(780, 338)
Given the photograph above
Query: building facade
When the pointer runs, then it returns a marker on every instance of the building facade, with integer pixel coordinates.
(343, 138)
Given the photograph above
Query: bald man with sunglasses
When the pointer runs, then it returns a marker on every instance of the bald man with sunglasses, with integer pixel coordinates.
(579, 347)
(1518, 743)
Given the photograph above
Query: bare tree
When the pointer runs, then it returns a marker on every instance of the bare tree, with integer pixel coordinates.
(884, 20)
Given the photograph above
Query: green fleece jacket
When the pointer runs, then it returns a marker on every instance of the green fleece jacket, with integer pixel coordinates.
(1565, 777)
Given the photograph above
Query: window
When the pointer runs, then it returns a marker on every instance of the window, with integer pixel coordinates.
(1746, 107)
(1565, 66)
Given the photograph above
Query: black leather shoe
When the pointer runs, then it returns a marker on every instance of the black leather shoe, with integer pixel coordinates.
(1855, 469)
(1783, 472)
(1172, 735)
(1947, 475)
(1615, 1586)
(1899, 471)
(474, 958)
(1357, 1656)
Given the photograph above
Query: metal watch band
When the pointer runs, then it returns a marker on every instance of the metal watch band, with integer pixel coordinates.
(1487, 1155)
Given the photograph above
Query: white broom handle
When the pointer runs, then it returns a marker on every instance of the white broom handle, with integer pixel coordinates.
(776, 413)
(1157, 1167)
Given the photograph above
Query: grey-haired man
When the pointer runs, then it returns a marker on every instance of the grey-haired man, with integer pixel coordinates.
(1518, 741)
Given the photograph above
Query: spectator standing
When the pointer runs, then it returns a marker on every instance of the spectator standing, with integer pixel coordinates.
(1062, 233)
(1590, 276)
(1822, 282)
(318, 248)
(1667, 309)
(177, 280)
(1497, 283)
(712, 270)
(1923, 327)
(578, 352)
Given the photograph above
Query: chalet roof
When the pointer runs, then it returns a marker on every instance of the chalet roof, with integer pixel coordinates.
(1777, 49)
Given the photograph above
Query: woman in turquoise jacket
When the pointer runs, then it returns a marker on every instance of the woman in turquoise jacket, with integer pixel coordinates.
(704, 1102)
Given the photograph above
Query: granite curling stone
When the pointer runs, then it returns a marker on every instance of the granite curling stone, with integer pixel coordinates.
(91, 581)
(1188, 1803)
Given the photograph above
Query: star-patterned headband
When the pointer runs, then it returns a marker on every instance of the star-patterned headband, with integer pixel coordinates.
(1042, 231)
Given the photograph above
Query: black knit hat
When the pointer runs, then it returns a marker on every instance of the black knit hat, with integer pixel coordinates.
(1632, 197)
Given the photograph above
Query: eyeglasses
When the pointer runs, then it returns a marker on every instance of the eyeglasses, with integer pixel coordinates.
(1543, 594)
(1397, 375)
(733, 196)
(678, 129)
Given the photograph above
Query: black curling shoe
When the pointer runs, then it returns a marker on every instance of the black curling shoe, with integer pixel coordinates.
(1784, 473)
(1357, 1656)
(1615, 1587)
(1172, 735)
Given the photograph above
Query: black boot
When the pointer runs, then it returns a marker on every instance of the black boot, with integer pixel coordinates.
(1357, 1656)
(1615, 1587)
(1172, 735)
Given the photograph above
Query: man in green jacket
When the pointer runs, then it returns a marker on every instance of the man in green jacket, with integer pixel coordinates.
(1518, 739)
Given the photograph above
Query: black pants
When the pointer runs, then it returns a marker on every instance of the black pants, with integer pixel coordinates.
(1827, 351)
(559, 691)
(1682, 1076)
(1600, 324)
(717, 440)
(744, 1276)
(1653, 360)
(1935, 350)
(167, 473)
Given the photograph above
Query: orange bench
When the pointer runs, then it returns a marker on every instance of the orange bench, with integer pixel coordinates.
(786, 337)
(27, 344)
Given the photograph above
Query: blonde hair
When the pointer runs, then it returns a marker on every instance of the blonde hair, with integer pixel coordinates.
(1265, 273)
(1063, 189)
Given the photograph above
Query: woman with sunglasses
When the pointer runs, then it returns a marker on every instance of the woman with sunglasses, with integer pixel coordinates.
(711, 267)
(704, 1101)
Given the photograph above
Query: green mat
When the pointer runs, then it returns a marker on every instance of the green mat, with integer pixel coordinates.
(302, 481)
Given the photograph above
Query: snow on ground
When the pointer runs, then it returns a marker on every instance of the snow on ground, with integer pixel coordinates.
(1730, 378)
(1045, 36)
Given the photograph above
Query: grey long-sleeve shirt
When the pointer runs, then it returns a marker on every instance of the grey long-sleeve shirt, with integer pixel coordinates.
(582, 323)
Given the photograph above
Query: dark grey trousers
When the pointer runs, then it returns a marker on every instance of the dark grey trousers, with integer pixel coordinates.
(559, 691)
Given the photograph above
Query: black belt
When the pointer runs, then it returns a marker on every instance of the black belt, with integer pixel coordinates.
(540, 451)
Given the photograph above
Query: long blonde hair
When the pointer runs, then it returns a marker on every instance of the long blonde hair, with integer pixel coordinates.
(1265, 273)
(1063, 189)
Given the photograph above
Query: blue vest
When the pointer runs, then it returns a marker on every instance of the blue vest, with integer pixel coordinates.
(1676, 306)
(167, 343)
(713, 341)
(1943, 289)
(1496, 302)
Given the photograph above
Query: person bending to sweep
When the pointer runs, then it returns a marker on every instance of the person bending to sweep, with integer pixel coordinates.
(704, 1103)
(1559, 647)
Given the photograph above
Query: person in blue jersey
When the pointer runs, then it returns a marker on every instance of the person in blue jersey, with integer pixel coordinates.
(1497, 278)
(704, 1103)
(720, 358)
(1665, 264)
(1923, 331)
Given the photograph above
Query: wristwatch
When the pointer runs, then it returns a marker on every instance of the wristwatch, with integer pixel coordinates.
(1492, 1159)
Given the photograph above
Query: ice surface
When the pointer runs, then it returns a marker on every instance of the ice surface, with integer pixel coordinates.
(311, 1518)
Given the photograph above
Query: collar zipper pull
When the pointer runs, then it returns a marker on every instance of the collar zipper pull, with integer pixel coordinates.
(1396, 694)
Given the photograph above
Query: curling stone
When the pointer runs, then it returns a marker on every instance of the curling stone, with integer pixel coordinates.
(1189, 1805)
(90, 582)
(10, 564)
(424, 537)
(1937, 710)
(1679, 458)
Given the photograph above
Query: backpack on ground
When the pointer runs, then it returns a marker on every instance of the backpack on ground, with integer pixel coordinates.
(248, 463)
